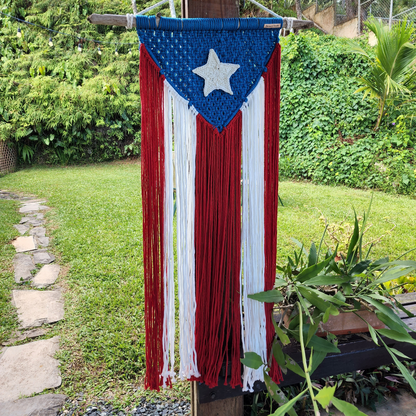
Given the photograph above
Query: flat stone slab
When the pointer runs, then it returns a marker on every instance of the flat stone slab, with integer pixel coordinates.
(43, 207)
(38, 231)
(28, 369)
(21, 228)
(44, 405)
(39, 215)
(43, 257)
(36, 222)
(43, 241)
(24, 220)
(35, 308)
(31, 207)
(23, 264)
(22, 244)
(47, 275)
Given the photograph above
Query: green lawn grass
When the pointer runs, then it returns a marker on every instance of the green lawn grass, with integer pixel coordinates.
(96, 225)
(8, 217)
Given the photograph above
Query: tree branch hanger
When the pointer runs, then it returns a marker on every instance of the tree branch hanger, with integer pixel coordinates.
(129, 22)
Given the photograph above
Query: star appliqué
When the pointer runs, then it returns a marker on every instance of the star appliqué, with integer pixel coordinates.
(216, 74)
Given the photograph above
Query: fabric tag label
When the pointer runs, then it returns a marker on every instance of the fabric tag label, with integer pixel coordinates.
(271, 26)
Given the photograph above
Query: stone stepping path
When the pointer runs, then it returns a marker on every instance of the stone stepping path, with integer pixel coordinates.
(28, 369)
(31, 368)
(23, 244)
(45, 405)
(23, 266)
(46, 276)
(35, 308)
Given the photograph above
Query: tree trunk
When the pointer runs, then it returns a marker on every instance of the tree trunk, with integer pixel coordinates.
(298, 9)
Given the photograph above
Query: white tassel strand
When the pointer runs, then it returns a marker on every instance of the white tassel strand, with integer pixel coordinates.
(168, 275)
(185, 153)
(252, 236)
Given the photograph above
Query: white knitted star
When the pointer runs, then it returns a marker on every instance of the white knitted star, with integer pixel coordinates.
(216, 74)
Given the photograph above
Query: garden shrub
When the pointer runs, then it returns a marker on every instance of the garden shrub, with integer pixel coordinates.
(58, 105)
(61, 106)
(326, 130)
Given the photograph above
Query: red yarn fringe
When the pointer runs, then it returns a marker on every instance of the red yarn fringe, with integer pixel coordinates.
(153, 184)
(271, 178)
(217, 250)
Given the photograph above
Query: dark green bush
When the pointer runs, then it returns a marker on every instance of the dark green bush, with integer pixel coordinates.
(58, 105)
(326, 130)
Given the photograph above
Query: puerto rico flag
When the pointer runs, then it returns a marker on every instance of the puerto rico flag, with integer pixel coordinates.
(209, 89)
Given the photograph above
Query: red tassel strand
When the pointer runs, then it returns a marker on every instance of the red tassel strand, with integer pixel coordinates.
(217, 250)
(271, 178)
(153, 184)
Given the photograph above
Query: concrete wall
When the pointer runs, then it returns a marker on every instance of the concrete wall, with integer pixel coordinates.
(325, 19)
(309, 13)
(372, 40)
(347, 29)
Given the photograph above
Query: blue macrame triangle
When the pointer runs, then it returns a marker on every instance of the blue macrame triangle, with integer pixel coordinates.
(179, 46)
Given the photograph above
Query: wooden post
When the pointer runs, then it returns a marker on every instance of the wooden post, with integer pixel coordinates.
(213, 9)
(210, 8)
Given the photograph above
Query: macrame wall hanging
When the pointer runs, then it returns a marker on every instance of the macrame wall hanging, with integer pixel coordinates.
(210, 88)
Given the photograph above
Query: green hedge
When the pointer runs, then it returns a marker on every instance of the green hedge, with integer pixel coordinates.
(61, 106)
(326, 130)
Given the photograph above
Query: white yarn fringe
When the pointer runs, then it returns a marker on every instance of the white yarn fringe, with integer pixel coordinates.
(168, 269)
(185, 154)
(252, 235)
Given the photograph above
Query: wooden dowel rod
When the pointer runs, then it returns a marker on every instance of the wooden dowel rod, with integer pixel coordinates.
(121, 20)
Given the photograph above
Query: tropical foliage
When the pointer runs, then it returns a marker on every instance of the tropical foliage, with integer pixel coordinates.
(311, 288)
(392, 77)
(326, 130)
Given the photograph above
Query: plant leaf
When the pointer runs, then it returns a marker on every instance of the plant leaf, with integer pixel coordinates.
(313, 298)
(373, 334)
(354, 238)
(346, 408)
(385, 310)
(279, 355)
(285, 408)
(326, 280)
(399, 353)
(318, 357)
(397, 336)
(293, 366)
(390, 323)
(323, 345)
(312, 258)
(392, 274)
(282, 336)
(280, 282)
(270, 296)
(277, 394)
(252, 360)
(402, 368)
(325, 395)
(314, 270)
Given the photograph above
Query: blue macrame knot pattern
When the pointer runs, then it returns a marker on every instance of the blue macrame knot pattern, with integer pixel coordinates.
(179, 46)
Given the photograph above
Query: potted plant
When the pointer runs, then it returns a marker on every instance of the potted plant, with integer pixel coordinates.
(313, 290)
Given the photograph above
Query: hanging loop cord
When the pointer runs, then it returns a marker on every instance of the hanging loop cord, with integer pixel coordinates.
(130, 17)
(289, 24)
